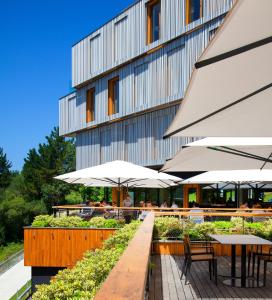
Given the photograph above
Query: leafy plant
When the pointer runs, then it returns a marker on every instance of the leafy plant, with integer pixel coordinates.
(72, 221)
(85, 279)
(167, 227)
(42, 221)
(75, 221)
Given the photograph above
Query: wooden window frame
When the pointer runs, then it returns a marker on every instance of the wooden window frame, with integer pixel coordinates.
(111, 97)
(149, 32)
(90, 105)
(187, 10)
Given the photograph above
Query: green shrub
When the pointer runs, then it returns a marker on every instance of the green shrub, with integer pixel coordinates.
(167, 227)
(85, 279)
(74, 221)
(97, 222)
(42, 221)
(121, 239)
(223, 224)
(112, 223)
(204, 229)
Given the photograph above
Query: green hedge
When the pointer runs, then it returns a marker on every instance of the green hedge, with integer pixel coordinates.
(85, 279)
(74, 221)
(173, 228)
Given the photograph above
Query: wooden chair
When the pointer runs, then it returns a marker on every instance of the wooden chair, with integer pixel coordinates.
(197, 254)
(253, 252)
(266, 259)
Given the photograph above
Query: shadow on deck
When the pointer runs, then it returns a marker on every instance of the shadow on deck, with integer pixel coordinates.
(165, 282)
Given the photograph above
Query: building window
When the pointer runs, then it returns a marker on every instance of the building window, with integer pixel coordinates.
(140, 86)
(212, 33)
(95, 54)
(113, 99)
(121, 39)
(90, 105)
(193, 10)
(153, 20)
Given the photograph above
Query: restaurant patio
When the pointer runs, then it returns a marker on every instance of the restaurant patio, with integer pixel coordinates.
(165, 282)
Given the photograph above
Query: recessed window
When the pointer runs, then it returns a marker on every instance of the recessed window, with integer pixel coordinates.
(113, 98)
(90, 105)
(153, 21)
(212, 33)
(193, 10)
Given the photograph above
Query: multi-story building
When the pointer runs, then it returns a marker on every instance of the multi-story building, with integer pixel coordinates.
(130, 76)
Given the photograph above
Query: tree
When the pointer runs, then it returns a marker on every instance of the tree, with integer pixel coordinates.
(5, 173)
(55, 157)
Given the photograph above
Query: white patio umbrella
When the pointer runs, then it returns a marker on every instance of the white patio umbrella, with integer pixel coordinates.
(230, 92)
(232, 176)
(120, 173)
(232, 186)
(222, 154)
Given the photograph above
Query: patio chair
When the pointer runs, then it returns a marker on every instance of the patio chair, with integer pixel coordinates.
(198, 254)
(253, 252)
(266, 259)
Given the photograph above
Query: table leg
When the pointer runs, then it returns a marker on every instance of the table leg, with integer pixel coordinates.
(243, 266)
(233, 261)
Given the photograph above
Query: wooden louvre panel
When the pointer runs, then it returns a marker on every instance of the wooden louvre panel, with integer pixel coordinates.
(150, 20)
(90, 105)
(191, 6)
(113, 96)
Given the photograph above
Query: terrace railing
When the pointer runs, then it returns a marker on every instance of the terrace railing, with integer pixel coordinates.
(129, 278)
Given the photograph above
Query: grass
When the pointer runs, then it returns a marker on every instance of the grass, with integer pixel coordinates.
(21, 291)
(9, 249)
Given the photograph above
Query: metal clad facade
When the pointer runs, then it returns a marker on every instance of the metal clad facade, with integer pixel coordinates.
(138, 140)
(158, 78)
(154, 78)
(114, 49)
(67, 114)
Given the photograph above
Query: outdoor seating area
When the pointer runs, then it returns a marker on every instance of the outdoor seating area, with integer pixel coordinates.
(160, 220)
(165, 282)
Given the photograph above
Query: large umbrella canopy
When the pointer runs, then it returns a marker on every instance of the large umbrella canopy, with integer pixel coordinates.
(230, 91)
(223, 154)
(232, 186)
(120, 173)
(233, 176)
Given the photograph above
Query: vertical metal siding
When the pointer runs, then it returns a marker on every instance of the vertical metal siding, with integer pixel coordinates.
(67, 114)
(113, 48)
(158, 78)
(138, 140)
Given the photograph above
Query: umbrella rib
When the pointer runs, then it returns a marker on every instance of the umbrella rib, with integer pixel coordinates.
(219, 110)
(266, 161)
(108, 180)
(233, 52)
(240, 153)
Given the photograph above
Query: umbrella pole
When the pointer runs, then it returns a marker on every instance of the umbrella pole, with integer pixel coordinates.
(236, 195)
(118, 197)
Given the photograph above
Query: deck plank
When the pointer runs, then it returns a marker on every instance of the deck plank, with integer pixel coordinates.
(166, 284)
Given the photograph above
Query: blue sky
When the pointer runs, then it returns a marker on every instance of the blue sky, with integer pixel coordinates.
(35, 64)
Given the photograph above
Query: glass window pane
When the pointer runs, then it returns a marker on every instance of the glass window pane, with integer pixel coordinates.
(194, 10)
(116, 96)
(156, 21)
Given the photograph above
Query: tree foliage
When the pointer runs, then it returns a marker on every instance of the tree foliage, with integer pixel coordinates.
(5, 173)
(55, 157)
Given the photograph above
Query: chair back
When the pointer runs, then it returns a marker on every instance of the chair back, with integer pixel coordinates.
(187, 245)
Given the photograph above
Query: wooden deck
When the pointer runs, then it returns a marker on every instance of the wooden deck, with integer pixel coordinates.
(165, 282)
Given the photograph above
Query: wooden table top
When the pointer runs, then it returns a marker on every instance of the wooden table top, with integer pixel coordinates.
(239, 239)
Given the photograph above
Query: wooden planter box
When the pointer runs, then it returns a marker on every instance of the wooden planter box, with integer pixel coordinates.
(176, 248)
(60, 247)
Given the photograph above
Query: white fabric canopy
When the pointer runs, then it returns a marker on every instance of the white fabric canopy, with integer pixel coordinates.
(231, 186)
(120, 173)
(230, 92)
(222, 154)
(234, 176)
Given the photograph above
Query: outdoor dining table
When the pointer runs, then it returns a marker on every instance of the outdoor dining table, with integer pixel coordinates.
(243, 240)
